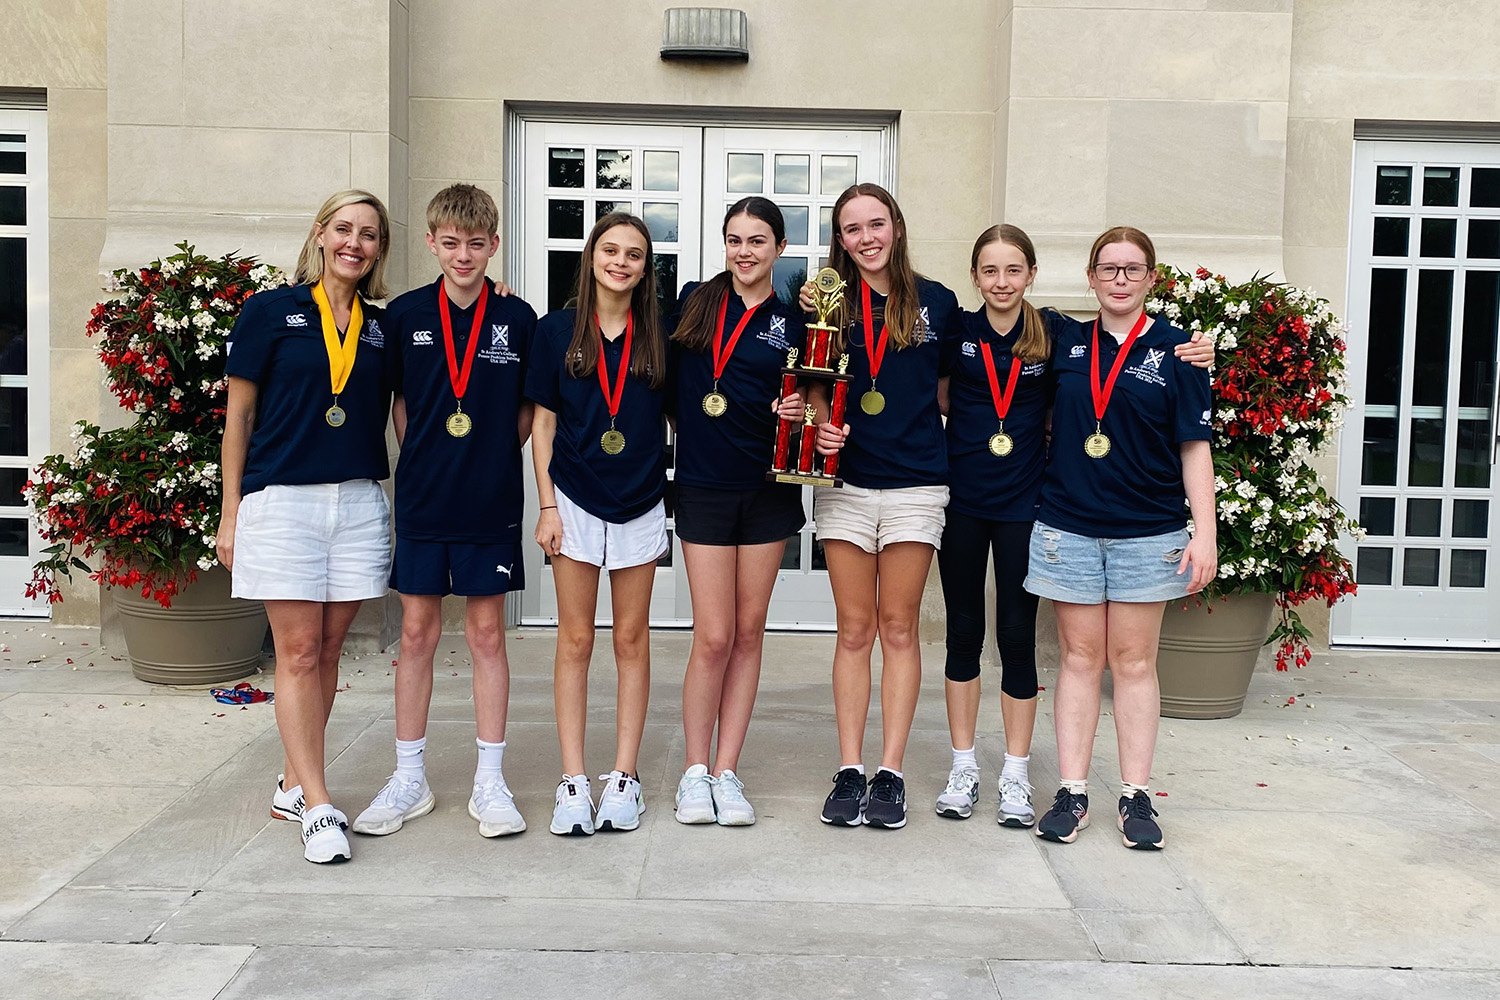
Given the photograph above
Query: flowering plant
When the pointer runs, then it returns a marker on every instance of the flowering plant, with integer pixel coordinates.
(145, 498)
(1278, 398)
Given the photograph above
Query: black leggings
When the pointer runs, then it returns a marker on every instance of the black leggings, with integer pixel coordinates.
(967, 543)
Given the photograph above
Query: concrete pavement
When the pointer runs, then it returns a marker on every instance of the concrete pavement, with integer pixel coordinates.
(1342, 846)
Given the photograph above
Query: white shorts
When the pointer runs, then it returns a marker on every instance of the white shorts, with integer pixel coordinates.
(591, 539)
(324, 542)
(873, 519)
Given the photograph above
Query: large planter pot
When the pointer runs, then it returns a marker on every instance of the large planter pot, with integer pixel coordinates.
(205, 637)
(1208, 653)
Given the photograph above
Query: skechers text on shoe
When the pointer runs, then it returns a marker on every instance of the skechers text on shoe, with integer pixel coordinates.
(286, 803)
(323, 839)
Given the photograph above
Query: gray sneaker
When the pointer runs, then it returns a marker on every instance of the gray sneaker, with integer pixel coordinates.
(960, 794)
(1015, 803)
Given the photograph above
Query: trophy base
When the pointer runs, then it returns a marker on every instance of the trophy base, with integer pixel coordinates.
(804, 479)
(824, 374)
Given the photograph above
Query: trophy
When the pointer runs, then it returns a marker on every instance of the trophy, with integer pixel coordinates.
(811, 469)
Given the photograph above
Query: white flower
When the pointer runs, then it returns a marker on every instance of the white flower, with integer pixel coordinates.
(207, 562)
(179, 441)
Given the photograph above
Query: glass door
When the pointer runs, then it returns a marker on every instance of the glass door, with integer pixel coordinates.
(1418, 451)
(24, 419)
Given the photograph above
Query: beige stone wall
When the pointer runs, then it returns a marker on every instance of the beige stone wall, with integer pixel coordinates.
(59, 46)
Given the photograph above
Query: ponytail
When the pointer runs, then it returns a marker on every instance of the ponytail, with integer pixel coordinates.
(700, 313)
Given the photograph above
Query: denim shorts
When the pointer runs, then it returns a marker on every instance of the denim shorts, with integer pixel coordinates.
(1077, 569)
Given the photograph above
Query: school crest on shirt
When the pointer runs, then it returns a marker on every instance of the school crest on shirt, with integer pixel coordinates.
(1149, 368)
(775, 334)
(498, 352)
(929, 335)
(372, 334)
(500, 335)
(1154, 358)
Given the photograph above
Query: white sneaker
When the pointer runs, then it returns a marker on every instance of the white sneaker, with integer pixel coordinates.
(286, 803)
(621, 803)
(730, 802)
(1015, 803)
(573, 814)
(494, 807)
(323, 840)
(400, 800)
(695, 798)
(960, 794)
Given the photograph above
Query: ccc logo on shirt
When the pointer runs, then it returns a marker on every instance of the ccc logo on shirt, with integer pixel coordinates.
(1078, 351)
(296, 319)
(421, 338)
(969, 349)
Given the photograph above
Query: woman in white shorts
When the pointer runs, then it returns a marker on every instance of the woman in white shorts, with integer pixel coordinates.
(881, 529)
(305, 526)
(596, 376)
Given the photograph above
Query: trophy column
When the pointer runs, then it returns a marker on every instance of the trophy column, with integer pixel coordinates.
(808, 468)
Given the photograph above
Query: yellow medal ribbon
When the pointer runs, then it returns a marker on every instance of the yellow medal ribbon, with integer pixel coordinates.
(340, 356)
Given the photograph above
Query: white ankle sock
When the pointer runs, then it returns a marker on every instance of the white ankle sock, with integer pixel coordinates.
(964, 760)
(1127, 790)
(1017, 768)
(890, 770)
(858, 767)
(1079, 787)
(490, 756)
(409, 759)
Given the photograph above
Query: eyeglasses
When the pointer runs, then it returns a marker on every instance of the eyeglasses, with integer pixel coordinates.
(1133, 272)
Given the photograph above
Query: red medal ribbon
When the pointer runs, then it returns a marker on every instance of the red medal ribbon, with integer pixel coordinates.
(1002, 403)
(1102, 394)
(722, 353)
(460, 379)
(613, 401)
(876, 352)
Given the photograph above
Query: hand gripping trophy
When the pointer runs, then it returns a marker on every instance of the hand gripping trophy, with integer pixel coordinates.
(812, 469)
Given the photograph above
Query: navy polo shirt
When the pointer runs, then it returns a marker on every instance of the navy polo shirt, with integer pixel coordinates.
(1159, 402)
(732, 451)
(277, 343)
(615, 488)
(983, 484)
(903, 444)
(459, 489)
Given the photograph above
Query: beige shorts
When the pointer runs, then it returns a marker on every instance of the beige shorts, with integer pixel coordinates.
(873, 519)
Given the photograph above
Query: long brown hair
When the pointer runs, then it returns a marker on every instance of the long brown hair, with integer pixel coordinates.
(648, 361)
(700, 314)
(902, 307)
(1034, 344)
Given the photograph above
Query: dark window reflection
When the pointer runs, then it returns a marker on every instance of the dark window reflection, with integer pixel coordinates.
(12, 306)
(1387, 323)
(1434, 329)
(1392, 236)
(562, 277)
(1440, 186)
(13, 536)
(1377, 515)
(1393, 186)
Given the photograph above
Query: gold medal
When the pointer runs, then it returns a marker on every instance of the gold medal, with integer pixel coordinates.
(1001, 444)
(715, 403)
(1096, 445)
(613, 442)
(872, 402)
(335, 416)
(459, 424)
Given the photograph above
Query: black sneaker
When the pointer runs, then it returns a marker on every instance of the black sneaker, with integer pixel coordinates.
(845, 805)
(1069, 814)
(887, 805)
(1139, 829)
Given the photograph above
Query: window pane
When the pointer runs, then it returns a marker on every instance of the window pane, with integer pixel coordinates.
(746, 173)
(1433, 332)
(825, 225)
(1424, 517)
(13, 306)
(13, 536)
(12, 482)
(12, 421)
(666, 282)
(1393, 186)
(603, 208)
(1391, 237)
(839, 172)
(661, 219)
(1387, 325)
(565, 168)
(792, 171)
(612, 169)
(1476, 368)
(791, 558)
(1472, 459)
(12, 206)
(1439, 237)
(1377, 515)
(1420, 568)
(1426, 465)
(787, 276)
(796, 224)
(562, 277)
(659, 170)
(1372, 566)
(1378, 467)
(1466, 568)
(564, 219)
(1484, 238)
(1471, 519)
(1485, 188)
(1440, 186)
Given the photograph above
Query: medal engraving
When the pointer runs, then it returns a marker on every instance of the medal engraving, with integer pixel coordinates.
(715, 403)
(335, 416)
(872, 402)
(1096, 445)
(1001, 444)
(613, 442)
(459, 424)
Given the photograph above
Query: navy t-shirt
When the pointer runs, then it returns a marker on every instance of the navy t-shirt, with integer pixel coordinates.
(983, 484)
(903, 444)
(1159, 402)
(734, 450)
(459, 489)
(615, 488)
(277, 343)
